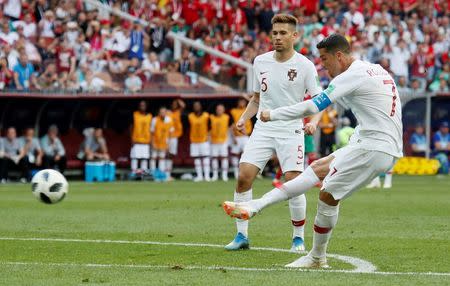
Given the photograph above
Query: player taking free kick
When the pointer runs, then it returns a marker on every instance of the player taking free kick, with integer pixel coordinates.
(370, 92)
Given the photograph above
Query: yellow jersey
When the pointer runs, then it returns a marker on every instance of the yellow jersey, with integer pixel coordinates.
(236, 113)
(198, 127)
(177, 125)
(219, 128)
(161, 129)
(141, 128)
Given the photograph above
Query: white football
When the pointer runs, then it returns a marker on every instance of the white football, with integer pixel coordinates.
(49, 186)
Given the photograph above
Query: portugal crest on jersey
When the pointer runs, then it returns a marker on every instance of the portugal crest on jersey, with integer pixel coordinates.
(292, 73)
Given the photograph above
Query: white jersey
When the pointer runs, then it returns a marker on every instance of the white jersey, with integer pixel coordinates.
(370, 92)
(283, 84)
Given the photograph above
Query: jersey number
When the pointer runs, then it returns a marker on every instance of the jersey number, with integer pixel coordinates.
(300, 155)
(394, 97)
(264, 84)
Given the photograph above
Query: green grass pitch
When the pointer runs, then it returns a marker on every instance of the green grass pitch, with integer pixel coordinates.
(403, 231)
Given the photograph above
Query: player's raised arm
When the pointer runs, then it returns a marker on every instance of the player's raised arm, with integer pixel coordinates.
(299, 110)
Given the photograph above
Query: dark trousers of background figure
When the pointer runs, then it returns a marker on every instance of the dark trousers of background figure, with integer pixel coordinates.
(326, 143)
(7, 164)
(50, 163)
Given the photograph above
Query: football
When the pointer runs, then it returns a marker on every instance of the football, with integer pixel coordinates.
(49, 186)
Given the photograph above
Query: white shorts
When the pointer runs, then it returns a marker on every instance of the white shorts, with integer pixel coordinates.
(238, 148)
(140, 151)
(158, 154)
(173, 146)
(200, 149)
(219, 150)
(290, 151)
(353, 168)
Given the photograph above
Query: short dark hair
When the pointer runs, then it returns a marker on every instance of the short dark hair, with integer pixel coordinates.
(284, 19)
(334, 43)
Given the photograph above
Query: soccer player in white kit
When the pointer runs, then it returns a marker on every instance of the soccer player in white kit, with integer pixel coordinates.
(370, 92)
(282, 78)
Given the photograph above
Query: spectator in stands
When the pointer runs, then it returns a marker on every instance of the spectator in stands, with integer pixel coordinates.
(5, 74)
(133, 82)
(151, 65)
(6, 35)
(418, 141)
(29, 26)
(158, 40)
(94, 147)
(416, 86)
(13, 157)
(65, 62)
(441, 143)
(327, 126)
(418, 65)
(402, 86)
(399, 59)
(32, 151)
(186, 66)
(137, 40)
(49, 78)
(24, 77)
(54, 152)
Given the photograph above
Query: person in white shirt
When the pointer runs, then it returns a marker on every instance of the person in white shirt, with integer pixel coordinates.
(354, 16)
(370, 92)
(281, 78)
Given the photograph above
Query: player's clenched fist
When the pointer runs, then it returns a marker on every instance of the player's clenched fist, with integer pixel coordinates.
(265, 116)
(310, 128)
(240, 126)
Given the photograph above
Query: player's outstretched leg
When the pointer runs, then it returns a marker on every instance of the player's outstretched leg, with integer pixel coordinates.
(324, 222)
(293, 188)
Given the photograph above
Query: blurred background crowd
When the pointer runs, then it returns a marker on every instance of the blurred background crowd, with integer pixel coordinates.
(71, 46)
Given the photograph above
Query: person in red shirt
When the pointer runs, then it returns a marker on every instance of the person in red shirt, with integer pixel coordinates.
(65, 62)
(5, 74)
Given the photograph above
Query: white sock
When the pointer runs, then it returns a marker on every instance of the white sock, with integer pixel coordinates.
(297, 207)
(215, 167)
(224, 164)
(162, 164)
(168, 170)
(207, 166)
(295, 187)
(134, 164)
(169, 165)
(324, 223)
(388, 178)
(198, 167)
(235, 162)
(152, 164)
(242, 225)
(144, 164)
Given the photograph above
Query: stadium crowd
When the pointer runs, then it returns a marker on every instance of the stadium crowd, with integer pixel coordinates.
(71, 46)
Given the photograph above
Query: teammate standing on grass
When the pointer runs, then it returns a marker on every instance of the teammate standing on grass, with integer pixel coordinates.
(370, 92)
(282, 77)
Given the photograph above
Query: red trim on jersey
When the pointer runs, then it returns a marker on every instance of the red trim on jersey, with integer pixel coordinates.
(298, 222)
(321, 230)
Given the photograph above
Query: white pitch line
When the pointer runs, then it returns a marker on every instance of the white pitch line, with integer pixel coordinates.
(219, 268)
(361, 266)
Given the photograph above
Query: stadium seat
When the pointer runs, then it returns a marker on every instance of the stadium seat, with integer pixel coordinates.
(72, 141)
